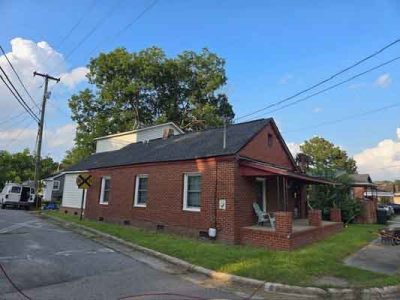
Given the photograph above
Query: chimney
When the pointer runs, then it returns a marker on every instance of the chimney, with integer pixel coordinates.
(167, 132)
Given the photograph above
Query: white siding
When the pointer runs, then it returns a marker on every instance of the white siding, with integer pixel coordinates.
(72, 196)
(118, 141)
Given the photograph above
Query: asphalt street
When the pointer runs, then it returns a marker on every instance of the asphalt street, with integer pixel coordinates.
(45, 261)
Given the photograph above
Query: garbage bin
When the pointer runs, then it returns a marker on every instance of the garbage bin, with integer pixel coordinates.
(381, 215)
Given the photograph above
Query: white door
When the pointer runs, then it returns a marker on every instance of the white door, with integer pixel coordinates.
(14, 193)
(48, 190)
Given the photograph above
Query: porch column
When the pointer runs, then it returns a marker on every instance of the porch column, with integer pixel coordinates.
(284, 222)
(335, 214)
(314, 217)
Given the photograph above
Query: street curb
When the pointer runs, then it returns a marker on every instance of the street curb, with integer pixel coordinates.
(388, 292)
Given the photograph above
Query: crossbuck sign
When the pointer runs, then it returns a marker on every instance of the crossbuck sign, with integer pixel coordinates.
(84, 181)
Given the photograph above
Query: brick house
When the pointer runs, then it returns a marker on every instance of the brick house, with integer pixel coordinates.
(192, 182)
(365, 191)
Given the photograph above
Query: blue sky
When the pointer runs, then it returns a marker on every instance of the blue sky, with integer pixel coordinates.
(272, 50)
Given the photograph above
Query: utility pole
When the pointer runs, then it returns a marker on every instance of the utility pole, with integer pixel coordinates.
(40, 132)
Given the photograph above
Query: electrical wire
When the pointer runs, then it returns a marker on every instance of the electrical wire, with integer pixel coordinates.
(13, 283)
(94, 29)
(350, 117)
(323, 81)
(333, 86)
(20, 100)
(12, 118)
(83, 16)
(19, 79)
(127, 26)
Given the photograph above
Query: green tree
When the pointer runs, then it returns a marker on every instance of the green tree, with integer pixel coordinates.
(145, 88)
(328, 160)
(18, 167)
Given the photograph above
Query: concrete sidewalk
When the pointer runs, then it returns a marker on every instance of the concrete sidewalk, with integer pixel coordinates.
(378, 257)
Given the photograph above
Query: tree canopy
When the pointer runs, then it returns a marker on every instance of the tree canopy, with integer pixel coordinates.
(19, 167)
(130, 90)
(326, 158)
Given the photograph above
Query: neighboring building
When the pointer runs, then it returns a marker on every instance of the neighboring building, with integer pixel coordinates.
(53, 187)
(72, 196)
(119, 140)
(396, 198)
(208, 180)
(364, 190)
(381, 196)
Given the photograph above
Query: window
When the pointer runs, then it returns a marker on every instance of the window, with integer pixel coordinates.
(105, 190)
(191, 192)
(270, 139)
(141, 190)
(15, 190)
(56, 185)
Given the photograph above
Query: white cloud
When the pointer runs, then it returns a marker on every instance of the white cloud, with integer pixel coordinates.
(383, 81)
(317, 109)
(285, 79)
(294, 148)
(382, 160)
(27, 57)
(56, 140)
(74, 77)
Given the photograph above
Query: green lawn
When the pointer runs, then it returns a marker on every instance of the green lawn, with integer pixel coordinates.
(299, 267)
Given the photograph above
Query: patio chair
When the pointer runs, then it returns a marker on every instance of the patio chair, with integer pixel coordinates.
(263, 217)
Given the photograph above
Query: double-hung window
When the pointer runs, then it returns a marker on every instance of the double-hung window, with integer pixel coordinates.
(141, 187)
(191, 191)
(56, 185)
(105, 190)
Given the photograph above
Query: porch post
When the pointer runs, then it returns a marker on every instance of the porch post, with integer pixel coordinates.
(314, 217)
(284, 222)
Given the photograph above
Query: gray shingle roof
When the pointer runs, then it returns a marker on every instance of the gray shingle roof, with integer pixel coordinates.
(361, 178)
(200, 144)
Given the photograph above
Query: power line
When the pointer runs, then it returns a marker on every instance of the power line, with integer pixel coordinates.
(20, 100)
(323, 81)
(83, 16)
(93, 30)
(334, 86)
(127, 26)
(350, 117)
(19, 78)
(12, 118)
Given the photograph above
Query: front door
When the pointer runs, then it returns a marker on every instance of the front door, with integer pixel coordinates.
(261, 193)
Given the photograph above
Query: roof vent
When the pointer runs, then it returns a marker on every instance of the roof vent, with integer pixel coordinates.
(167, 132)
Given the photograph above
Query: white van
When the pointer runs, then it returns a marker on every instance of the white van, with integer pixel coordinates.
(17, 195)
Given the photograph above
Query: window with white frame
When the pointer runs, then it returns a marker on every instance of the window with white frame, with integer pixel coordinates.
(105, 190)
(56, 185)
(141, 187)
(191, 191)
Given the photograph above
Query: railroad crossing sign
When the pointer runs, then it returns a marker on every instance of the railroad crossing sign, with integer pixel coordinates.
(84, 181)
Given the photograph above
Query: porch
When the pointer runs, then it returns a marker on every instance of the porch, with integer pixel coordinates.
(290, 233)
(281, 193)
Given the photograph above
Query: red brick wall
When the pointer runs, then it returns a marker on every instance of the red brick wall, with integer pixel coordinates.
(314, 217)
(335, 215)
(165, 196)
(259, 149)
(368, 212)
(358, 192)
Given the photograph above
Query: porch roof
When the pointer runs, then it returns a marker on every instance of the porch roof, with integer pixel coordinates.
(262, 169)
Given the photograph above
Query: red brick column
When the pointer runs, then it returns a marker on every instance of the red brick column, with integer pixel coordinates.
(314, 217)
(335, 215)
(283, 222)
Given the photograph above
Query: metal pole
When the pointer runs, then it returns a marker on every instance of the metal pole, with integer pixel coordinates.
(40, 133)
(83, 199)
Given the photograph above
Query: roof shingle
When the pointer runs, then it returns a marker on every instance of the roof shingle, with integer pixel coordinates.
(200, 144)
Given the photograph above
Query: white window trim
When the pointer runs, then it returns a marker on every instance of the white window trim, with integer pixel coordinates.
(58, 188)
(103, 179)
(264, 193)
(136, 203)
(185, 190)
